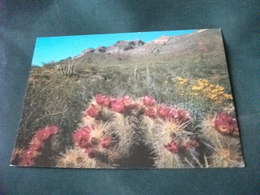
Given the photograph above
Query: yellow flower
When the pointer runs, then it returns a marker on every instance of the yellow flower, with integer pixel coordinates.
(220, 88)
(196, 87)
(227, 96)
(181, 79)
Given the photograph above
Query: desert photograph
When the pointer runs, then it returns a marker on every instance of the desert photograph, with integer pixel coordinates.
(158, 99)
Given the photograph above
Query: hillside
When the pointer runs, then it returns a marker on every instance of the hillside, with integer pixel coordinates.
(199, 54)
(58, 92)
(189, 46)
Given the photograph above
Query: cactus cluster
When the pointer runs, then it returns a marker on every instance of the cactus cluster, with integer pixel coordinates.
(222, 135)
(113, 130)
(28, 156)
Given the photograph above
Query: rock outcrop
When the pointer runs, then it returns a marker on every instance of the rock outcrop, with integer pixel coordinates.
(122, 46)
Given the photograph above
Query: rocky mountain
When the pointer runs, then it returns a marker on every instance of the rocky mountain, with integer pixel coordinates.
(122, 46)
(202, 46)
(203, 41)
(118, 47)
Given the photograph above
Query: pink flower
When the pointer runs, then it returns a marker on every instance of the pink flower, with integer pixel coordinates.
(92, 111)
(191, 144)
(100, 99)
(44, 133)
(179, 115)
(36, 144)
(107, 101)
(30, 153)
(28, 157)
(172, 147)
(148, 101)
(151, 112)
(184, 116)
(163, 111)
(52, 129)
(92, 152)
(174, 114)
(27, 162)
(106, 142)
(225, 124)
(117, 105)
(127, 102)
(81, 137)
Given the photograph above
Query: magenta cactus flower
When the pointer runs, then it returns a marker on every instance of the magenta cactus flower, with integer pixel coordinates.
(30, 154)
(106, 142)
(28, 157)
(148, 101)
(151, 112)
(100, 99)
(36, 144)
(191, 144)
(225, 124)
(117, 105)
(174, 114)
(173, 147)
(81, 137)
(184, 115)
(128, 102)
(91, 152)
(44, 133)
(92, 111)
(163, 112)
(27, 162)
(107, 101)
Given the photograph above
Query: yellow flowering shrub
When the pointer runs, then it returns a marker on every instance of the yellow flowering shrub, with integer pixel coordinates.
(202, 87)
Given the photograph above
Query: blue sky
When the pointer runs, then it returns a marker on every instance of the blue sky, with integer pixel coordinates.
(48, 49)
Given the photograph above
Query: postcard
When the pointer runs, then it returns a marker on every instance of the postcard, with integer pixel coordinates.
(130, 100)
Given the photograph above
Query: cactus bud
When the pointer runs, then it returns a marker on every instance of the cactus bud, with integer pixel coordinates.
(92, 111)
(81, 137)
(117, 105)
(172, 147)
(148, 101)
(106, 142)
(191, 144)
(163, 111)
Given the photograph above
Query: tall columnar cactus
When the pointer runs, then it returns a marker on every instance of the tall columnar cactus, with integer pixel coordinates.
(221, 132)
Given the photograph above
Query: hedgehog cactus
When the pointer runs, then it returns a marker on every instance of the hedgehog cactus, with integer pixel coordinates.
(118, 131)
(167, 135)
(227, 157)
(76, 158)
(34, 150)
(220, 129)
(110, 129)
(221, 132)
(122, 125)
